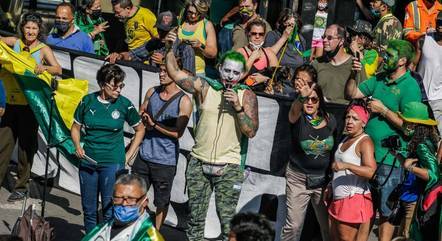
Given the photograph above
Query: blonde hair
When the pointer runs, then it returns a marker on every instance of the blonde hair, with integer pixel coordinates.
(202, 6)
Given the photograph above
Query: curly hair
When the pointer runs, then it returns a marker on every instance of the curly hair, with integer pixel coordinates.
(422, 133)
(251, 227)
(35, 18)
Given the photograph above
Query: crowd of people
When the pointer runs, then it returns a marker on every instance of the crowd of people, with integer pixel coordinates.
(379, 152)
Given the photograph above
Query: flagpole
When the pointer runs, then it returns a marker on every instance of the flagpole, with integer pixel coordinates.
(48, 144)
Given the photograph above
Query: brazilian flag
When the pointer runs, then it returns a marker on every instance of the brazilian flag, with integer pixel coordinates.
(37, 90)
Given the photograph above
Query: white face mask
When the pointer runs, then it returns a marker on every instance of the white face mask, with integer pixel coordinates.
(322, 5)
(256, 46)
(231, 71)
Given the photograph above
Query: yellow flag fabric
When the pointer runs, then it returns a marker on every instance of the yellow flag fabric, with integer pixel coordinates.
(68, 94)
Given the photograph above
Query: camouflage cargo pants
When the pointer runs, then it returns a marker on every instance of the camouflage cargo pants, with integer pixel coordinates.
(200, 187)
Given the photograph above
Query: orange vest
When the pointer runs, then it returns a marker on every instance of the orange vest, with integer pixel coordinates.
(418, 19)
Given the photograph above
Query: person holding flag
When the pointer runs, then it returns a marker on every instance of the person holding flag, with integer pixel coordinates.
(19, 117)
(131, 221)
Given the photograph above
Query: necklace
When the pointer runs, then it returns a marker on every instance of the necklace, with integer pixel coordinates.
(314, 121)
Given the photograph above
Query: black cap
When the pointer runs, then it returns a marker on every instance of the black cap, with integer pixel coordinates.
(166, 21)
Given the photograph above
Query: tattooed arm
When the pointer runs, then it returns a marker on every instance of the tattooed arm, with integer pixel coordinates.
(248, 118)
(188, 83)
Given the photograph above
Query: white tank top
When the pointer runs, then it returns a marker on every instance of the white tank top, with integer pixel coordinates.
(345, 183)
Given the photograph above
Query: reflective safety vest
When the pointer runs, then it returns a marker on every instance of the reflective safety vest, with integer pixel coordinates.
(418, 19)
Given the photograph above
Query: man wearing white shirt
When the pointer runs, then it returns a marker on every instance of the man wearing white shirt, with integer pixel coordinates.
(430, 68)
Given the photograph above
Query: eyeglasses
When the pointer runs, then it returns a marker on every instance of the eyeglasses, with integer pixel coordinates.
(129, 200)
(314, 100)
(190, 13)
(115, 87)
(257, 34)
(329, 37)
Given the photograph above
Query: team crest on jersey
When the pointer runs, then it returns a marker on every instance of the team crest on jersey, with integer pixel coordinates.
(115, 114)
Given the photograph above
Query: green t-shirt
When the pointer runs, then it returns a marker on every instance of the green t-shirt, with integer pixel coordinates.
(332, 79)
(393, 95)
(103, 124)
(87, 25)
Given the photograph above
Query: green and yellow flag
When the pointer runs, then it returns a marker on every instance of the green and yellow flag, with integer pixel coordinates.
(19, 68)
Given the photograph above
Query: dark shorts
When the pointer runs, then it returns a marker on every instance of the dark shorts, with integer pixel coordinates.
(381, 195)
(160, 176)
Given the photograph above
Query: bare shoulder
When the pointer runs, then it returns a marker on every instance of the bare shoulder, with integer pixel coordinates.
(365, 143)
(150, 92)
(186, 101)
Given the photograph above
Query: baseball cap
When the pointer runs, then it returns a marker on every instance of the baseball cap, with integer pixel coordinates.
(166, 21)
(389, 3)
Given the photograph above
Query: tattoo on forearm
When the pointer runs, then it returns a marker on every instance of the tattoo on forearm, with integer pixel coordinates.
(249, 121)
(187, 84)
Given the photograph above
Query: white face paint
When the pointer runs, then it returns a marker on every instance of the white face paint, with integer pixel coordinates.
(231, 71)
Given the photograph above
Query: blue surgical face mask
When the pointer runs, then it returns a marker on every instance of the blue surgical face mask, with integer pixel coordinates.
(375, 12)
(126, 214)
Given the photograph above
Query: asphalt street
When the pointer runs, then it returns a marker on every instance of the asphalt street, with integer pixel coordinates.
(63, 211)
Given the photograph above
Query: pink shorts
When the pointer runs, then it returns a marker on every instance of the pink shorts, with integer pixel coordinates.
(317, 43)
(355, 209)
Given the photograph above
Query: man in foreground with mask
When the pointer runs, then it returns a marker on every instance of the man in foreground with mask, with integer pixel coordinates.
(131, 220)
(431, 72)
(389, 27)
(139, 22)
(248, 14)
(391, 90)
(228, 116)
(66, 34)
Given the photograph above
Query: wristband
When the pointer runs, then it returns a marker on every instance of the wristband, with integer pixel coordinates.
(239, 111)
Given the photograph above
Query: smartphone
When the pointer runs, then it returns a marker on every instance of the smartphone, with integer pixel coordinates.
(358, 56)
(186, 41)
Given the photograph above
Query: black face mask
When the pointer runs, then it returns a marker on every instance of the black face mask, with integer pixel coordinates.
(330, 55)
(62, 27)
(95, 14)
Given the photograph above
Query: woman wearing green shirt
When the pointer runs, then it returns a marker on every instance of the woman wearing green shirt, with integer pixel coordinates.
(102, 116)
(88, 19)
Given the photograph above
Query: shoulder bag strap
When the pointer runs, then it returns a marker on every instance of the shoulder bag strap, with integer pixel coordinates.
(164, 107)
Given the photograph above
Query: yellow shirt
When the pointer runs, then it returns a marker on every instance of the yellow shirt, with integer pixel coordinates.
(218, 137)
(140, 28)
(201, 35)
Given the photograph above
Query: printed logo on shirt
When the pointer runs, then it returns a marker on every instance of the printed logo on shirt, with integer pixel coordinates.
(115, 114)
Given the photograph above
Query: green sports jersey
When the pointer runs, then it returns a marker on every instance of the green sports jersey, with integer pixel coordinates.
(103, 123)
(393, 95)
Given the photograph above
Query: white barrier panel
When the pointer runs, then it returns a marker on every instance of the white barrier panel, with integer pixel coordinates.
(259, 153)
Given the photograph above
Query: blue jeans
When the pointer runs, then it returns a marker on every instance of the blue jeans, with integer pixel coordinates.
(382, 195)
(95, 180)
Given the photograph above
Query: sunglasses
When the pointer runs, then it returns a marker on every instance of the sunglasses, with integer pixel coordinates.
(115, 87)
(190, 13)
(329, 37)
(257, 34)
(314, 100)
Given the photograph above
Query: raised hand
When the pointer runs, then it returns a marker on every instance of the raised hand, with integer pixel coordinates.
(303, 87)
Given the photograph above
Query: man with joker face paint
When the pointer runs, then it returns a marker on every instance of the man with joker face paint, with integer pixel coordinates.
(228, 116)
(391, 91)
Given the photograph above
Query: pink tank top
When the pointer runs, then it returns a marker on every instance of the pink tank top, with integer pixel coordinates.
(261, 63)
